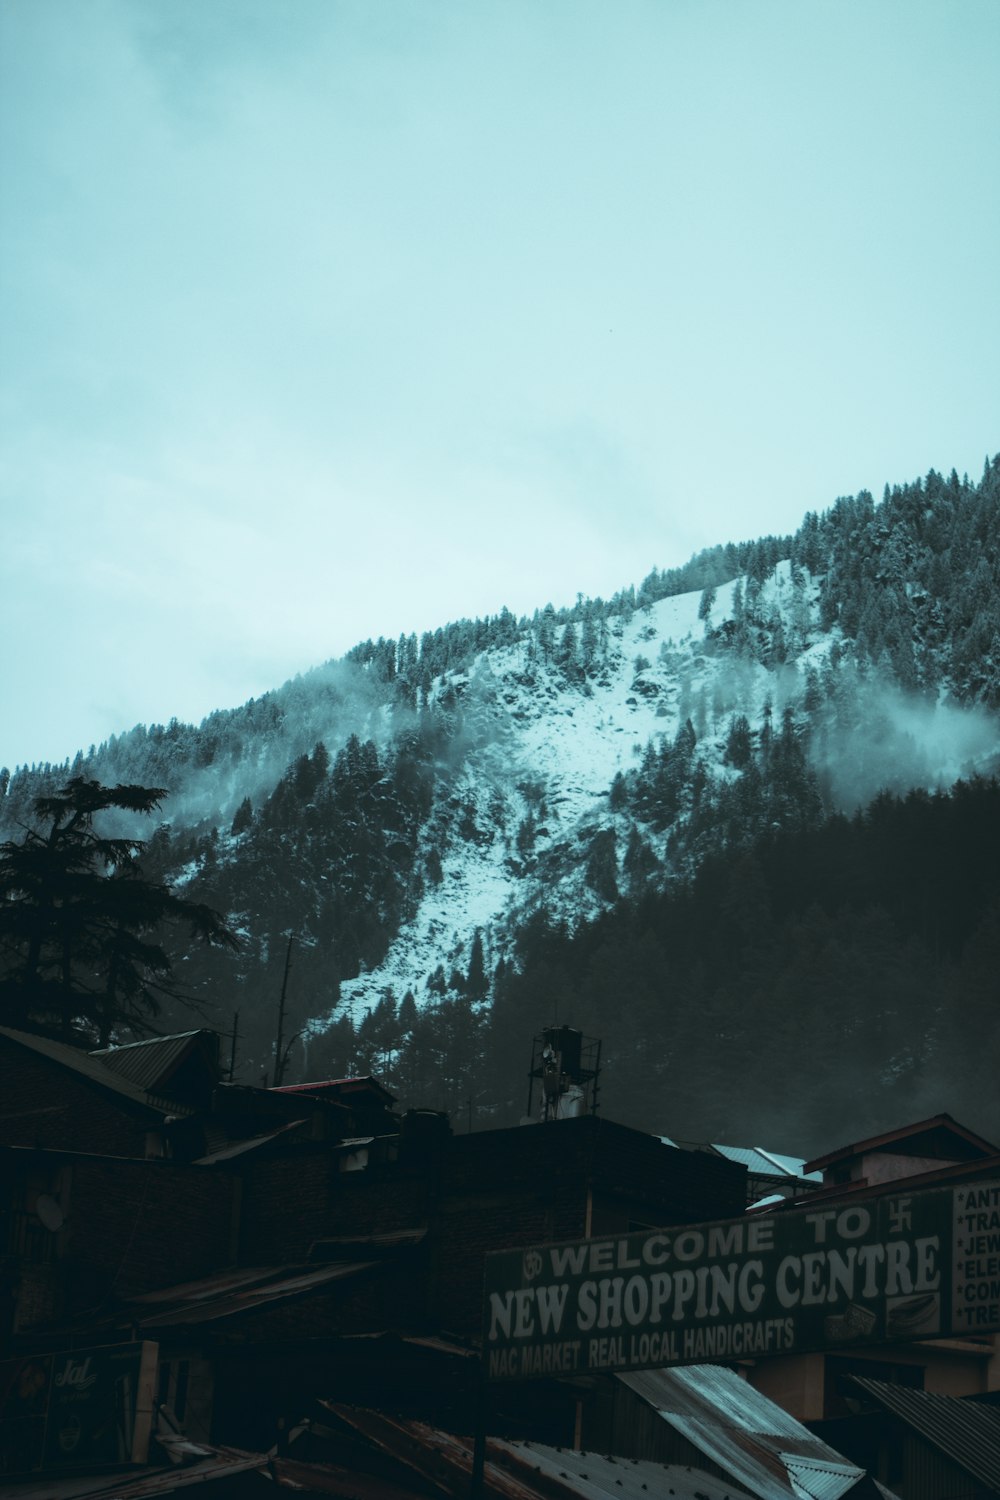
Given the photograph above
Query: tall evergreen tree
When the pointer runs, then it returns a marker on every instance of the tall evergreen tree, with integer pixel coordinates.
(80, 954)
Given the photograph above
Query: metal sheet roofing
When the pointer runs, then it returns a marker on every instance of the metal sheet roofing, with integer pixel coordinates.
(766, 1163)
(240, 1148)
(363, 1084)
(332, 1479)
(228, 1294)
(93, 1069)
(749, 1437)
(964, 1430)
(756, 1159)
(528, 1471)
(141, 1484)
(148, 1063)
(795, 1166)
(594, 1476)
(240, 1292)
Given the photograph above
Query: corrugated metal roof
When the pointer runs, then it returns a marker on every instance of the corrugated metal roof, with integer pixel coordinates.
(93, 1069)
(240, 1148)
(748, 1436)
(331, 1479)
(219, 1463)
(766, 1163)
(147, 1064)
(243, 1293)
(758, 1160)
(594, 1476)
(528, 1471)
(963, 1430)
(228, 1294)
(818, 1480)
(363, 1084)
(795, 1166)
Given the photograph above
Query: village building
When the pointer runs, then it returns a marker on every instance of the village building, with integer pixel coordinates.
(289, 1285)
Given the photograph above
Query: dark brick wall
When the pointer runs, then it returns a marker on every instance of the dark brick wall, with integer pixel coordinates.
(130, 1227)
(474, 1194)
(291, 1200)
(655, 1183)
(46, 1105)
(150, 1224)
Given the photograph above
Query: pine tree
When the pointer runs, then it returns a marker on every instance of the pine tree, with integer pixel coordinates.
(476, 981)
(242, 818)
(79, 923)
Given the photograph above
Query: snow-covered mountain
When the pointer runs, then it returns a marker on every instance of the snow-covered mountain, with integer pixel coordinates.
(533, 795)
(409, 813)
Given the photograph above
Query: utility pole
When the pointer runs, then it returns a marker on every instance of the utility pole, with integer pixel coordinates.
(279, 1054)
(232, 1048)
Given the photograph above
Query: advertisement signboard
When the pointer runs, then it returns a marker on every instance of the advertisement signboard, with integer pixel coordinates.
(84, 1409)
(890, 1269)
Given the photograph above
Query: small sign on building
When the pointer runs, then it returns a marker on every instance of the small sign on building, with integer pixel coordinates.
(890, 1269)
(77, 1410)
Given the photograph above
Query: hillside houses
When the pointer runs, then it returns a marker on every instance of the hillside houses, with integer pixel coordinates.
(286, 1286)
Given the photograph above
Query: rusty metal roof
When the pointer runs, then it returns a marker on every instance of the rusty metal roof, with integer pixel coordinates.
(333, 1479)
(363, 1084)
(863, 1187)
(749, 1437)
(227, 1294)
(140, 1484)
(927, 1137)
(236, 1292)
(963, 1429)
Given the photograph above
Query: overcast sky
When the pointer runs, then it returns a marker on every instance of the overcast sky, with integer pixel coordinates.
(323, 319)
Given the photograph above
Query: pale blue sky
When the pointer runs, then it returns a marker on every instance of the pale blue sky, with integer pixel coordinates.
(322, 320)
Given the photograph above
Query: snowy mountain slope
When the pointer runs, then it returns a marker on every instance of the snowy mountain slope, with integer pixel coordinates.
(552, 751)
(410, 812)
(564, 748)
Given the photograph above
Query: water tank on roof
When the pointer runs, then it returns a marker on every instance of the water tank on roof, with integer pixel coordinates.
(566, 1064)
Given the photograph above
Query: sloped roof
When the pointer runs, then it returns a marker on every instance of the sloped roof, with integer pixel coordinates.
(150, 1063)
(934, 1137)
(232, 1149)
(231, 1293)
(766, 1163)
(527, 1471)
(964, 1430)
(593, 1476)
(751, 1439)
(756, 1159)
(93, 1069)
(140, 1484)
(234, 1292)
(365, 1084)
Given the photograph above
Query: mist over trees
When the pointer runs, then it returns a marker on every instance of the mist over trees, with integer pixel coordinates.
(742, 894)
(851, 967)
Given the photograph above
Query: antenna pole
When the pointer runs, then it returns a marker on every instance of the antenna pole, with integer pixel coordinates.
(279, 1058)
(232, 1048)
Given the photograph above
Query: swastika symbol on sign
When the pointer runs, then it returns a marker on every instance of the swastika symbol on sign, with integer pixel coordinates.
(532, 1264)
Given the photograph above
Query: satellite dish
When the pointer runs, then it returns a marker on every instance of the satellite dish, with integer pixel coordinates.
(49, 1212)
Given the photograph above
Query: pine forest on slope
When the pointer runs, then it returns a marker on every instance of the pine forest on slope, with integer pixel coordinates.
(711, 821)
